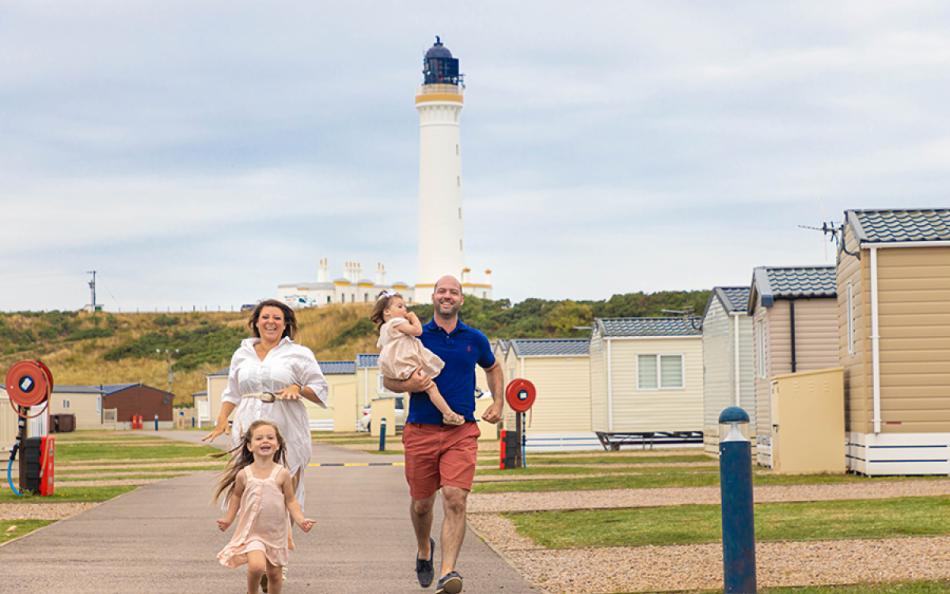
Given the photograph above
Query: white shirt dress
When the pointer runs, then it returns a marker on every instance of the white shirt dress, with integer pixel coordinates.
(284, 365)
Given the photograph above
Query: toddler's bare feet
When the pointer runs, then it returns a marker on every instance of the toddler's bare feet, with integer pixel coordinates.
(453, 418)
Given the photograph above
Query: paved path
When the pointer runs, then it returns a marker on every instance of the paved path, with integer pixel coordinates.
(162, 538)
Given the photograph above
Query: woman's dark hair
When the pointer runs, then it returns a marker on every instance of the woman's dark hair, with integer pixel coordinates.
(382, 302)
(290, 319)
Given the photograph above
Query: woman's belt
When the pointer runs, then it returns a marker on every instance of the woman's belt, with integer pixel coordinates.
(262, 396)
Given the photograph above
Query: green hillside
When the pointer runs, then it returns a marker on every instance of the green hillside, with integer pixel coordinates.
(107, 348)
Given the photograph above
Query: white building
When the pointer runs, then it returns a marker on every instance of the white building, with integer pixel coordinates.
(352, 287)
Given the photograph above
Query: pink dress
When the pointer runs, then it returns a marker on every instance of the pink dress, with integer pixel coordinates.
(263, 523)
(402, 354)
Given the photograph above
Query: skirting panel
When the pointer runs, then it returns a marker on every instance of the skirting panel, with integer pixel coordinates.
(898, 453)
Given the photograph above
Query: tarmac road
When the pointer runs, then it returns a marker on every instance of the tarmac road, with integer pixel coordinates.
(162, 538)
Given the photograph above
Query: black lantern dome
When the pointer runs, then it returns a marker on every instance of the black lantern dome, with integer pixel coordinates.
(439, 67)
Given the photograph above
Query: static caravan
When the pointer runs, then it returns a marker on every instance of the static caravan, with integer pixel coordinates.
(342, 411)
(88, 404)
(8, 422)
(83, 401)
(217, 382)
(794, 328)
(646, 377)
(200, 404)
(894, 320)
(369, 381)
(728, 378)
(559, 368)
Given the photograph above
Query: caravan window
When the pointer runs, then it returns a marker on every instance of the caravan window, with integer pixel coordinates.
(660, 372)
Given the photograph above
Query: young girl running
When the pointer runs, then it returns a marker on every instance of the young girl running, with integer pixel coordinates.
(402, 353)
(260, 495)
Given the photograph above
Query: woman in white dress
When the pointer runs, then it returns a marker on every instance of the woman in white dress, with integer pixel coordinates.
(268, 377)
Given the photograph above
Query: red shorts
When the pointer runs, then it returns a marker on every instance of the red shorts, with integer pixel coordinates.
(439, 456)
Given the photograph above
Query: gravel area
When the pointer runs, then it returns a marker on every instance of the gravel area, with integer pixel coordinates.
(691, 567)
(501, 502)
(42, 511)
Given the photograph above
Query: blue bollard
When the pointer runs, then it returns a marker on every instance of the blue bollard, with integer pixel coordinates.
(738, 520)
(156, 422)
(382, 434)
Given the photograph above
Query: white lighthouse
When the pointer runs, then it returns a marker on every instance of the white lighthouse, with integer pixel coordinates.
(439, 103)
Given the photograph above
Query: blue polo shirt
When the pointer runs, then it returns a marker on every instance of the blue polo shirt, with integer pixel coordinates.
(461, 350)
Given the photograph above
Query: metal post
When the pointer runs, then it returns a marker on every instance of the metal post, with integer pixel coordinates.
(156, 422)
(23, 429)
(738, 522)
(524, 439)
(382, 434)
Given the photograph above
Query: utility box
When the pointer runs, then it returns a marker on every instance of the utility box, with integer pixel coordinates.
(808, 422)
(63, 423)
(510, 450)
(36, 457)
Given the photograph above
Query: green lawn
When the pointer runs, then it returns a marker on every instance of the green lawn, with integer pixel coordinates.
(619, 458)
(85, 436)
(10, 529)
(541, 470)
(649, 478)
(67, 494)
(61, 480)
(71, 452)
(692, 524)
(118, 470)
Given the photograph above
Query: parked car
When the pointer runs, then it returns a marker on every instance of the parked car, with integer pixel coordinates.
(365, 421)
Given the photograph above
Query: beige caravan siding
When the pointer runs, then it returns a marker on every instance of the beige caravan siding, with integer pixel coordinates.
(717, 368)
(563, 394)
(8, 422)
(598, 384)
(761, 327)
(84, 406)
(816, 345)
(512, 371)
(854, 272)
(216, 386)
(914, 307)
(816, 334)
(657, 410)
(746, 370)
(341, 390)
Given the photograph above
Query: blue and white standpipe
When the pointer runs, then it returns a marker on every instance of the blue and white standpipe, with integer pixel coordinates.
(738, 521)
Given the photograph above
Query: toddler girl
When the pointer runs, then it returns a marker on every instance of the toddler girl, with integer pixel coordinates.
(260, 494)
(402, 353)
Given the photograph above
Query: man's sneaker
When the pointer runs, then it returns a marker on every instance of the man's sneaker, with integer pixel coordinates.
(450, 583)
(424, 571)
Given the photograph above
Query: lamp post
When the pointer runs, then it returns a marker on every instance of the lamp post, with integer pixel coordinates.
(735, 483)
(169, 354)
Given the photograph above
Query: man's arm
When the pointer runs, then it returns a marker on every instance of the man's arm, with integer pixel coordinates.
(496, 383)
(418, 382)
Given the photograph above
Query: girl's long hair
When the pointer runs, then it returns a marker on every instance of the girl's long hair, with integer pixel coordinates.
(382, 302)
(242, 457)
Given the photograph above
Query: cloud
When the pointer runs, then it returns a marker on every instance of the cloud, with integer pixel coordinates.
(204, 153)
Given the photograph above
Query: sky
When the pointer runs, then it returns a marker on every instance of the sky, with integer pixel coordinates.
(198, 154)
